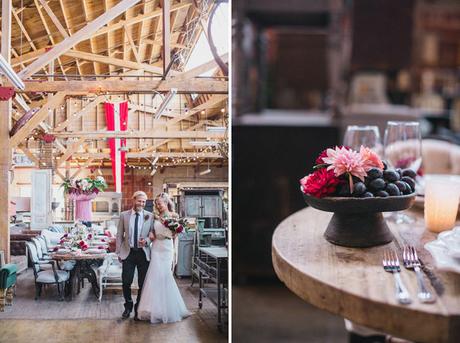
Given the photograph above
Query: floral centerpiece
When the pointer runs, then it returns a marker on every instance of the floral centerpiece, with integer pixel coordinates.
(79, 238)
(85, 186)
(357, 186)
(345, 172)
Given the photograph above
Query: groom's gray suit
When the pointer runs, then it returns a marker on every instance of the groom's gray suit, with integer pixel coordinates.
(131, 257)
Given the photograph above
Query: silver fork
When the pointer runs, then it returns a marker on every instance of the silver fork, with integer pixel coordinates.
(411, 261)
(390, 263)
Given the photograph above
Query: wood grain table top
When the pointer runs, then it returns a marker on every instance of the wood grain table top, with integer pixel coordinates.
(351, 282)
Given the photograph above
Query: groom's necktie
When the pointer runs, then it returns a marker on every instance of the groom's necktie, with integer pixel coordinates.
(136, 222)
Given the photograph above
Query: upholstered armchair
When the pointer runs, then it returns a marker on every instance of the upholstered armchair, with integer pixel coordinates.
(43, 276)
(7, 285)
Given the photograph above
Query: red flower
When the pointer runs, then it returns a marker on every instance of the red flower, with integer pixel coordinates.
(55, 249)
(179, 229)
(320, 183)
(146, 217)
(90, 236)
(319, 159)
(81, 243)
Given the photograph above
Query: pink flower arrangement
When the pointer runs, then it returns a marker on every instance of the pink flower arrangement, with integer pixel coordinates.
(337, 166)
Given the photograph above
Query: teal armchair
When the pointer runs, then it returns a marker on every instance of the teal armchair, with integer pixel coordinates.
(7, 285)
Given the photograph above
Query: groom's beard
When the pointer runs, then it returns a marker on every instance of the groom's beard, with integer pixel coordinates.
(138, 208)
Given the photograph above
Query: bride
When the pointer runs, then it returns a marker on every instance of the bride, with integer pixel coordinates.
(161, 301)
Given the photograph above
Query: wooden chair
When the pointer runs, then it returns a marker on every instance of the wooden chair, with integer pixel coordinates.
(46, 277)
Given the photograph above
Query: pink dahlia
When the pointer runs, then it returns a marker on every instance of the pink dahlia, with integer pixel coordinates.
(343, 160)
(370, 158)
(319, 159)
(320, 183)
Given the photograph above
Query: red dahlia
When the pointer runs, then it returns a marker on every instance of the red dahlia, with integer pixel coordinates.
(320, 183)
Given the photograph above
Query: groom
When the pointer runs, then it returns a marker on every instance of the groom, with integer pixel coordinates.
(133, 250)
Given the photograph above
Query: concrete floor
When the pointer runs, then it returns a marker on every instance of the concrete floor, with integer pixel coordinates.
(271, 313)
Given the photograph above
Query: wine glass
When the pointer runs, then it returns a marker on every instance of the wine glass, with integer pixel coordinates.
(403, 149)
(368, 136)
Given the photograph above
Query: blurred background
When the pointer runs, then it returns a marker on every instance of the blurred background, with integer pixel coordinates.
(304, 70)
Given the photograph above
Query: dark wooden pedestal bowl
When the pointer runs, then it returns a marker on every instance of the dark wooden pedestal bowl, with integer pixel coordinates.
(358, 222)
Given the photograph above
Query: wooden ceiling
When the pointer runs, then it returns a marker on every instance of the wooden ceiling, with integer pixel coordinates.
(125, 59)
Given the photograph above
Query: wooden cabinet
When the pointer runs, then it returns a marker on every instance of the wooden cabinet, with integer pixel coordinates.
(203, 205)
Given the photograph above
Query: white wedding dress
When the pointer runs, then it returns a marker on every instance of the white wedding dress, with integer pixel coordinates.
(161, 301)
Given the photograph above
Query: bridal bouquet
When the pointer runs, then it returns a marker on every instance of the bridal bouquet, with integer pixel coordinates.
(176, 225)
(85, 186)
(345, 172)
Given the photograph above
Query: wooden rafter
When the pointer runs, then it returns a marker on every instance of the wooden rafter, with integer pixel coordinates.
(150, 154)
(79, 36)
(166, 25)
(37, 118)
(89, 107)
(82, 87)
(155, 134)
(45, 24)
(29, 154)
(70, 150)
(114, 61)
(87, 163)
(97, 69)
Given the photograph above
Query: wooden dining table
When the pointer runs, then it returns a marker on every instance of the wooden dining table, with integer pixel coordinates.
(352, 283)
(83, 269)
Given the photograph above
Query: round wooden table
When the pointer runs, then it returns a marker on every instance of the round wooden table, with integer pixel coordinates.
(351, 282)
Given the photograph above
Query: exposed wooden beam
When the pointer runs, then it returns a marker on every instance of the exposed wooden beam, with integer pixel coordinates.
(48, 31)
(155, 134)
(87, 163)
(140, 18)
(128, 34)
(217, 99)
(151, 155)
(66, 21)
(84, 33)
(29, 154)
(166, 49)
(70, 150)
(89, 107)
(27, 57)
(22, 105)
(97, 69)
(198, 86)
(54, 19)
(114, 61)
(203, 68)
(58, 173)
(5, 151)
(37, 118)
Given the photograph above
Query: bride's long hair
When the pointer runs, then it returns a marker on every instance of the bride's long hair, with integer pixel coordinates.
(165, 197)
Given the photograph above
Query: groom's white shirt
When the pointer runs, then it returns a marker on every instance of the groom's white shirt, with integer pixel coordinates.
(123, 233)
(132, 221)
